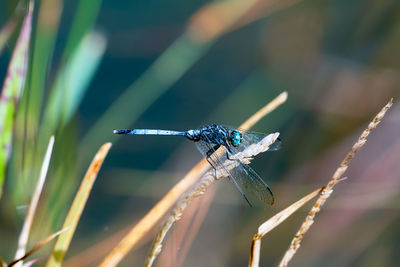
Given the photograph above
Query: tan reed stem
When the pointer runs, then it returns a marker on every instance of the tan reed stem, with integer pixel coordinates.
(309, 220)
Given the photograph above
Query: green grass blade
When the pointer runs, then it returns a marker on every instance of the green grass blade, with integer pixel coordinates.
(85, 17)
(81, 70)
(12, 90)
(73, 81)
(42, 53)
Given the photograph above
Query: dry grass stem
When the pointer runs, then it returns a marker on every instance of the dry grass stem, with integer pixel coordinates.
(220, 17)
(195, 218)
(36, 247)
(214, 19)
(295, 244)
(274, 222)
(162, 207)
(200, 188)
(262, 9)
(271, 106)
(77, 206)
(23, 237)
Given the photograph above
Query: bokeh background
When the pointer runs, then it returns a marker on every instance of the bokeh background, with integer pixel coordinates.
(100, 65)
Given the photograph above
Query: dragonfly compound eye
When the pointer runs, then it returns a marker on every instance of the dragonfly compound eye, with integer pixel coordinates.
(235, 138)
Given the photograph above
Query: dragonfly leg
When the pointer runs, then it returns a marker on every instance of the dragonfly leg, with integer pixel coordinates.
(248, 202)
(213, 165)
(212, 150)
(210, 160)
(227, 157)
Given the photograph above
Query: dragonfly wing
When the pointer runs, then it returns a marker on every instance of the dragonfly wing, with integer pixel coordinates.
(252, 184)
(245, 179)
(209, 152)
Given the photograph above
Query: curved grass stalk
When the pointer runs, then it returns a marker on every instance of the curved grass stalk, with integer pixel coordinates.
(309, 220)
(162, 207)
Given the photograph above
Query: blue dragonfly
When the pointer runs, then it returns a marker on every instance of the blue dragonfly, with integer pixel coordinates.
(210, 138)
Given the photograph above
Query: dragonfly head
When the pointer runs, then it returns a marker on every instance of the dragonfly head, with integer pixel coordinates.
(235, 138)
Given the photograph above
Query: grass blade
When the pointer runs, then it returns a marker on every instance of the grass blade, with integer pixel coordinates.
(77, 207)
(43, 46)
(82, 23)
(23, 238)
(73, 81)
(12, 90)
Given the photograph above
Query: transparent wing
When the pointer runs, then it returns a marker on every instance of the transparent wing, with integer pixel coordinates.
(250, 137)
(208, 151)
(245, 179)
(252, 184)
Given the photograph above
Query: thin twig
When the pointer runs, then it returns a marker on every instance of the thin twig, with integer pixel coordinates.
(271, 106)
(295, 244)
(162, 207)
(23, 237)
(200, 188)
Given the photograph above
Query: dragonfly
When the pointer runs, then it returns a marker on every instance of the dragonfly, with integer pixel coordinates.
(209, 139)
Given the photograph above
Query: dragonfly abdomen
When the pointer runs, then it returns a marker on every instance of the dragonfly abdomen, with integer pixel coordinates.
(147, 132)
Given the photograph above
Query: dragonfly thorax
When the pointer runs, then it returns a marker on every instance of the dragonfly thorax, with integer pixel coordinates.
(215, 134)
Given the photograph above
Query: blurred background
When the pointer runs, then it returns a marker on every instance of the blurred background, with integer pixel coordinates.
(96, 66)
